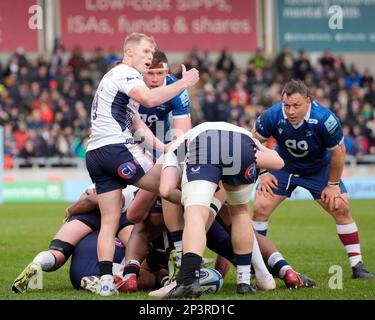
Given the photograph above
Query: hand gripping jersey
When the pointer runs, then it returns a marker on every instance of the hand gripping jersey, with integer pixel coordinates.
(112, 109)
(304, 148)
(157, 118)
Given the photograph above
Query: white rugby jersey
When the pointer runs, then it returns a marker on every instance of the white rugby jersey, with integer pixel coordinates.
(173, 159)
(112, 109)
(220, 125)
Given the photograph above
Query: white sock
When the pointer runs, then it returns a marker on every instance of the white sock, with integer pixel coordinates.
(243, 274)
(276, 257)
(257, 261)
(46, 260)
(348, 234)
(178, 246)
(134, 262)
(260, 226)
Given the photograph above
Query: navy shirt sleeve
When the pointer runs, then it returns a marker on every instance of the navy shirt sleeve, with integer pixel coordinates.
(265, 124)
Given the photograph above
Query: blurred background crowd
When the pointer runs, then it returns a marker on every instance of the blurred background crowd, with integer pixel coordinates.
(45, 104)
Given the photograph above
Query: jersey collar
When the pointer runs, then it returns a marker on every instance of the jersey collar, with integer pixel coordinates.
(306, 117)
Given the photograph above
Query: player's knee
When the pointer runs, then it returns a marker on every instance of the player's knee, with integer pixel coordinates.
(261, 211)
(342, 211)
(135, 216)
(165, 191)
(62, 246)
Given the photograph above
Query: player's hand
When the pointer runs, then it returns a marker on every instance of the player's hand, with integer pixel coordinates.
(267, 182)
(331, 196)
(190, 77)
(66, 215)
(258, 144)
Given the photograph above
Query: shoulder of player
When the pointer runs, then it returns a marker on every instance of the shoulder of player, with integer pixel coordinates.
(124, 71)
(319, 113)
(170, 79)
(274, 112)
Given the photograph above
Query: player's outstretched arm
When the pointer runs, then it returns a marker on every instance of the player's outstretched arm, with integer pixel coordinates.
(268, 159)
(141, 206)
(86, 203)
(257, 136)
(156, 96)
(141, 130)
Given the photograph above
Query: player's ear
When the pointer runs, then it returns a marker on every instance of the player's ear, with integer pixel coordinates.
(129, 51)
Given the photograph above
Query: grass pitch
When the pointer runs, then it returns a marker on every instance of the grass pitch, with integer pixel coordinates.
(302, 231)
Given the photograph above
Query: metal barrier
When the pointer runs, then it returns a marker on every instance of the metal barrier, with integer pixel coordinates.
(358, 160)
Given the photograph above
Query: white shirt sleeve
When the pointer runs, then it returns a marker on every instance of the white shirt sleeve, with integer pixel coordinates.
(128, 79)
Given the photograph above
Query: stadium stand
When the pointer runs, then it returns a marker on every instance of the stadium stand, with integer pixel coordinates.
(45, 104)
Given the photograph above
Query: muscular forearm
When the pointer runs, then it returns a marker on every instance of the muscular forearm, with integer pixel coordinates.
(156, 96)
(141, 130)
(83, 206)
(337, 163)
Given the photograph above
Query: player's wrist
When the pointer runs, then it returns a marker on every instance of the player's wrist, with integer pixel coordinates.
(183, 84)
(333, 183)
(263, 172)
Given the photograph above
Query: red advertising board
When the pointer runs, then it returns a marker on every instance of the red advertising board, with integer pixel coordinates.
(15, 30)
(177, 25)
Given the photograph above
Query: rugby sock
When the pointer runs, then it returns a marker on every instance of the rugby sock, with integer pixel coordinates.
(243, 268)
(131, 268)
(278, 264)
(46, 260)
(190, 268)
(257, 261)
(177, 242)
(260, 227)
(218, 240)
(177, 239)
(348, 234)
(105, 267)
(164, 280)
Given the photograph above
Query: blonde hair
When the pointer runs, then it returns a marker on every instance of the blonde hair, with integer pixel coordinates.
(136, 38)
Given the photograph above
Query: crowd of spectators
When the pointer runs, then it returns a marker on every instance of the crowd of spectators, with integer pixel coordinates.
(45, 104)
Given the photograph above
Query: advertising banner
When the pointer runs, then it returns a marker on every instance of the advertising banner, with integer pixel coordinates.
(18, 27)
(33, 192)
(177, 25)
(316, 25)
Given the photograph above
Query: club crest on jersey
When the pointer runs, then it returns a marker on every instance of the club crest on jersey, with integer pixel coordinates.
(250, 173)
(127, 170)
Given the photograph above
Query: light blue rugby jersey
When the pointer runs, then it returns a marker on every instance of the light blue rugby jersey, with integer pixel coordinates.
(304, 148)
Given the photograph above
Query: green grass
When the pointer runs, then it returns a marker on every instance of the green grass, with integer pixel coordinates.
(302, 231)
